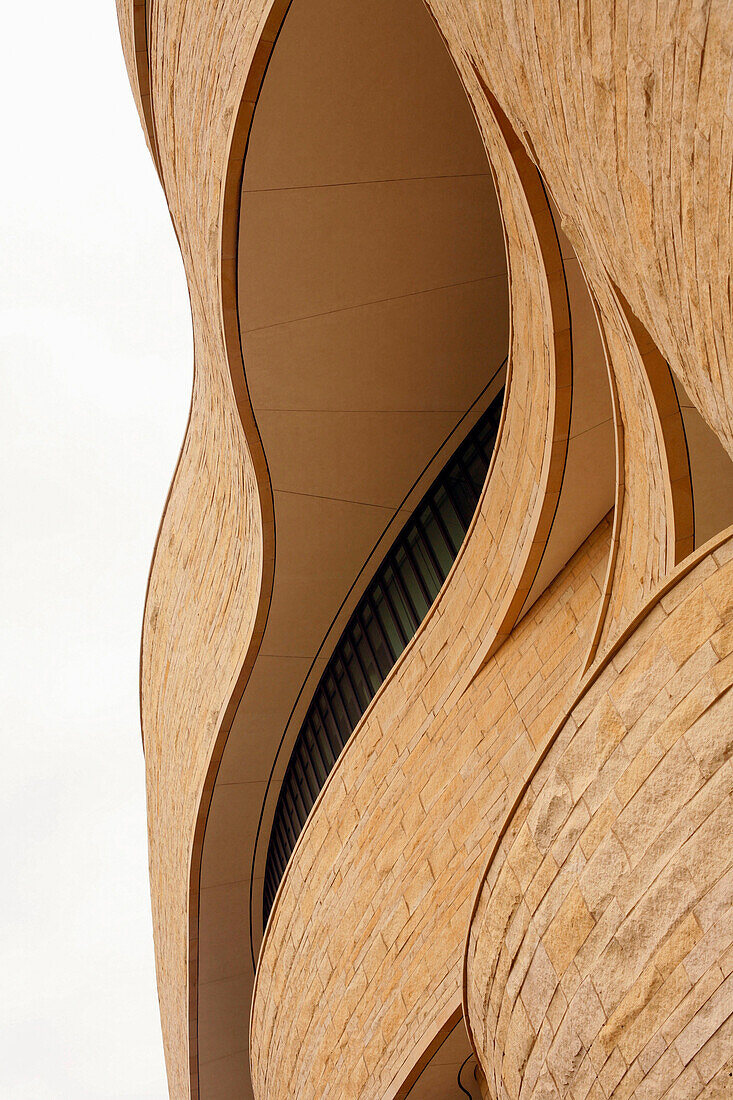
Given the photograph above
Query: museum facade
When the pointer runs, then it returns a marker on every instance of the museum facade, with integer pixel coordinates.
(438, 639)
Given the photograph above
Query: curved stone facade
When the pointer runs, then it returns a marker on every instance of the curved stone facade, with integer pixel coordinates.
(610, 140)
(599, 952)
(373, 910)
(626, 110)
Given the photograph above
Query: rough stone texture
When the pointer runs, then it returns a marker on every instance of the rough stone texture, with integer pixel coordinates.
(626, 109)
(649, 536)
(206, 593)
(361, 962)
(652, 517)
(599, 951)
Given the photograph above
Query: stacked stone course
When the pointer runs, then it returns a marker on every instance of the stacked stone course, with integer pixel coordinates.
(367, 932)
(600, 950)
(599, 955)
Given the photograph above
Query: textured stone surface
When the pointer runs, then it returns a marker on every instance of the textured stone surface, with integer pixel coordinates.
(366, 937)
(599, 949)
(626, 111)
(206, 591)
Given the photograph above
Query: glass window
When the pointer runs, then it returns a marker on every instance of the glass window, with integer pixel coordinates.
(452, 525)
(366, 659)
(337, 708)
(377, 641)
(424, 564)
(436, 543)
(389, 613)
(389, 622)
(404, 613)
(347, 690)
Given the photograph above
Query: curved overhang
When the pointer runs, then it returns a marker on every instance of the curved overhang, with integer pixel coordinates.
(212, 575)
(373, 319)
(412, 998)
(596, 865)
(643, 184)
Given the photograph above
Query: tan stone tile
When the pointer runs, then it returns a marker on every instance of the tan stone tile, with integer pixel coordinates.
(707, 1020)
(568, 930)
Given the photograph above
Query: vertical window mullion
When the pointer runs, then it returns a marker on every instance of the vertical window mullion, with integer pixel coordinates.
(339, 692)
(289, 816)
(409, 602)
(367, 679)
(336, 702)
(395, 616)
(461, 491)
(452, 549)
(357, 658)
(418, 575)
(309, 727)
(333, 735)
(295, 796)
(461, 459)
(307, 765)
(370, 647)
(456, 508)
(383, 636)
(428, 548)
(347, 675)
(282, 849)
(322, 738)
(276, 865)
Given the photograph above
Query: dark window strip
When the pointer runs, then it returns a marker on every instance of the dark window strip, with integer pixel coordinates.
(420, 559)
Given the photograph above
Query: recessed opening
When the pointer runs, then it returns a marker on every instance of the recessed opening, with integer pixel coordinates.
(373, 306)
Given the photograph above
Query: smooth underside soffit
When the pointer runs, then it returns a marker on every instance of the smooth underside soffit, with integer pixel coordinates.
(373, 310)
(453, 1062)
(374, 316)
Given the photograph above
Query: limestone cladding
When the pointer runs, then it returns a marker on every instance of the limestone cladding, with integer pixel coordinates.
(208, 583)
(600, 949)
(626, 109)
(620, 115)
(361, 962)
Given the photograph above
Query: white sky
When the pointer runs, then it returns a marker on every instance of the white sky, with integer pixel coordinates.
(96, 361)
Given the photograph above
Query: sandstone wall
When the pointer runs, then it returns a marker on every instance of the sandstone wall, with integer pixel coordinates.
(209, 580)
(626, 111)
(601, 944)
(361, 963)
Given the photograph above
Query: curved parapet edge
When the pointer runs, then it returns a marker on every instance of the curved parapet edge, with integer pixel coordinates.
(317, 906)
(210, 579)
(605, 891)
(231, 332)
(524, 179)
(642, 183)
(132, 18)
(653, 521)
(653, 528)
